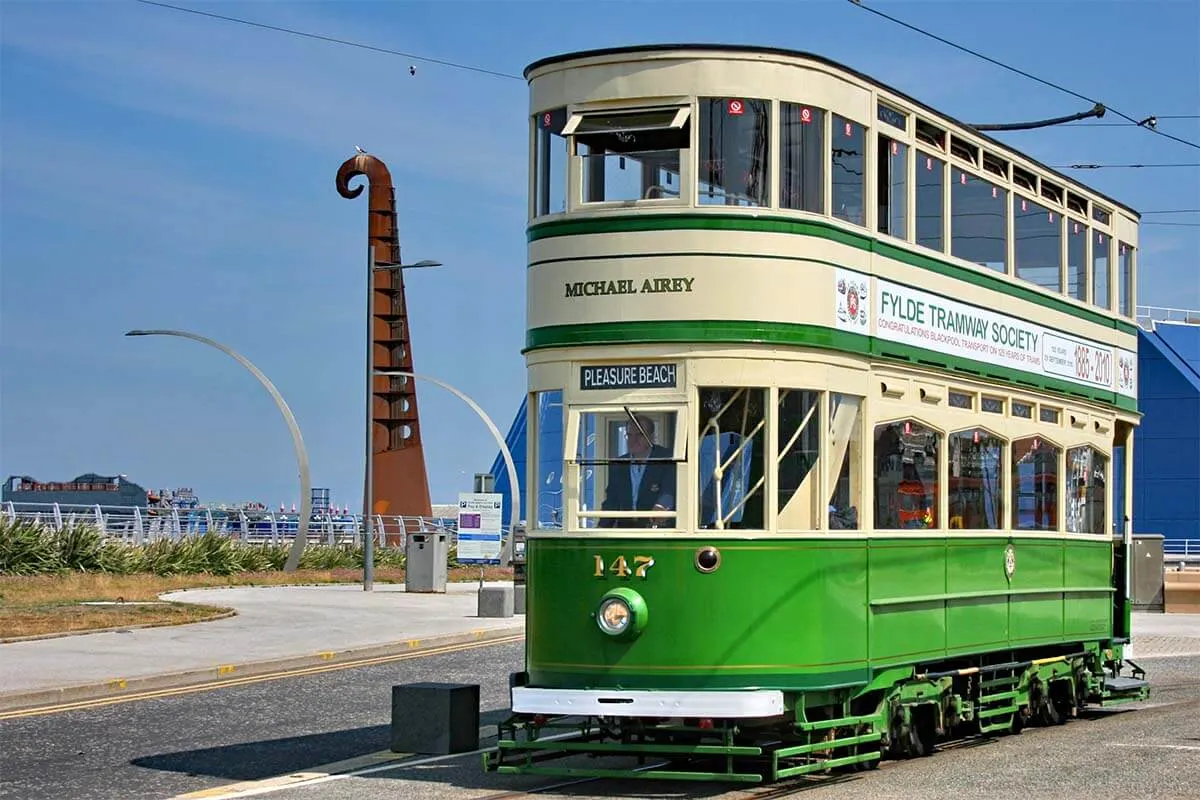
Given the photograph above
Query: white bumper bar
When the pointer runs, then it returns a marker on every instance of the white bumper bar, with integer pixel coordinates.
(618, 703)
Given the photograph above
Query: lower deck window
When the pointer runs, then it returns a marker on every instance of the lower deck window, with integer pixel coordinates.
(976, 482)
(626, 461)
(1034, 485)
(1087, 490)
(732, 457)
(906, 475)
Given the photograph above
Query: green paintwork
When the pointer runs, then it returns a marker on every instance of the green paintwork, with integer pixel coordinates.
(774, 224)
(801, 335)
(805, 614)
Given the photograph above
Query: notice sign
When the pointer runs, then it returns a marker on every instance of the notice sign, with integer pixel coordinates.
(628, 376)
(903, 314)
(479, 527)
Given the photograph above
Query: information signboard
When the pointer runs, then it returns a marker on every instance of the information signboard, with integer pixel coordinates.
(479, 527)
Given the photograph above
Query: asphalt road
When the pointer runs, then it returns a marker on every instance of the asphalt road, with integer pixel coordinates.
(203, 741)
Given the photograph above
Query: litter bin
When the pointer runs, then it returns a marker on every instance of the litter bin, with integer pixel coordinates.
(425, 557)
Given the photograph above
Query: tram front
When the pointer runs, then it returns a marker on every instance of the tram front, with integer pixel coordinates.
(680, 405)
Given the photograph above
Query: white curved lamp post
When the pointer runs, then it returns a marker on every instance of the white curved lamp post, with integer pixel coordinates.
(293, 560)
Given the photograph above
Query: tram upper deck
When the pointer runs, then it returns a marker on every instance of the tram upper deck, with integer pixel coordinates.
(752, 196)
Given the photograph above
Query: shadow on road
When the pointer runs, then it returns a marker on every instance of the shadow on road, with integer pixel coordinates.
(268, 758)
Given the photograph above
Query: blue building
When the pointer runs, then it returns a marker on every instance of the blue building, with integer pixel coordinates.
(549, 413)
(1166, 447)
(1166, 453)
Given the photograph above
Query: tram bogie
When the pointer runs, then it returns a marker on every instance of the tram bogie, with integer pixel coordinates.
(815, 478)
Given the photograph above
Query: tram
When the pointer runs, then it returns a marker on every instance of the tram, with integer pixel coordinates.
(841, 383)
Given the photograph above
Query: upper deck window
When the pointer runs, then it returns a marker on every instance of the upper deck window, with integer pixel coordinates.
(930, 208)
(1125, 279)
(890, 116)
(633, 154)
(734, 143)
(891, 187)
(550, 162)
(802, 158)
(849, 171)
(978, 220)
(1038, 244)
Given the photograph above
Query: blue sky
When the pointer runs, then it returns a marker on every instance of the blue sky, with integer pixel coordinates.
(165, 170)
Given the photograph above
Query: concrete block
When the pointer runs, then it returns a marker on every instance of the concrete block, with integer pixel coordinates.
(435, 718)
(496, 601)
(519, 598)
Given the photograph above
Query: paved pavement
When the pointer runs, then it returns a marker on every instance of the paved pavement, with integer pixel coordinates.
(278, 628)
(275, 628)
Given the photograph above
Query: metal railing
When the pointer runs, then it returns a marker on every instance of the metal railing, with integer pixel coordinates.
(1181, 548)
(1148, 315)
(140, 525)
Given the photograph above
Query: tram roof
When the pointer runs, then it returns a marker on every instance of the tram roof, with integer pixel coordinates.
(783, 51)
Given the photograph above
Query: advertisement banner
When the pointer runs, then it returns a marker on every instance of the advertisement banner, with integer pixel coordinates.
(907, 315)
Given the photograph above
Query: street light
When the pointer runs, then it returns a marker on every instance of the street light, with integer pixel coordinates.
(293, 560)
(369, 470)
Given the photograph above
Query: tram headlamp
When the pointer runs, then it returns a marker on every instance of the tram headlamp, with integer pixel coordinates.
(622, 613)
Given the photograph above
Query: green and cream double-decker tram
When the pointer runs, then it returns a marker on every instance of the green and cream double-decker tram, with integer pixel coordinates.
(826, 393)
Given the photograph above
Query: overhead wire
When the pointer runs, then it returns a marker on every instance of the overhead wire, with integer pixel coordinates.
(1144, 123)
(333, 40)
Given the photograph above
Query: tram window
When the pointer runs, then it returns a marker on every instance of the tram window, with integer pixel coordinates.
(1034, 485)
(906, 475)
(930, 210)
(732, 423)
(891, 170)
(1101, 253)
(735, 158)
(1038, 253)
(1020, 409)
(844, 458)
(978, 221)
(849, 171)
(1087, 489)
(631, 155)
(627, 466)
(976, 482)
(1077, 234)
(798, 449)
(548, 407)
(1125, 279)
(550, 162)
(802, 158)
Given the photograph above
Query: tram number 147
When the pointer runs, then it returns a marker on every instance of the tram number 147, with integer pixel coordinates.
(620, 566)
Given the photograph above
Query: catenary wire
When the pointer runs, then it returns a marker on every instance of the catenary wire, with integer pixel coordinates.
(1020, 72)
(333, 40)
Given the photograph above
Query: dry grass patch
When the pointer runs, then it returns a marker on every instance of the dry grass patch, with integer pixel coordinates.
(49, 604)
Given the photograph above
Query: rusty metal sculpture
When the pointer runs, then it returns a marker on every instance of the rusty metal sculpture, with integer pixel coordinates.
(397, 479)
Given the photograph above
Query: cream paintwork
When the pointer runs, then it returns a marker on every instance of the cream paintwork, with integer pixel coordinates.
(667, 75)
(795, 368)
(744, 287)
(750, 287)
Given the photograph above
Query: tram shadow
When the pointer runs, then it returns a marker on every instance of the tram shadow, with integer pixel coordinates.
(269, 758)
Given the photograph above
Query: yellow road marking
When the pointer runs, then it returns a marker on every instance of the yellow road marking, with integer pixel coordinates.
(252, 679)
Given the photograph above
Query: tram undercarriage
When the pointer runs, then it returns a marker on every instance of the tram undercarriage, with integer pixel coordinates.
(904, 712)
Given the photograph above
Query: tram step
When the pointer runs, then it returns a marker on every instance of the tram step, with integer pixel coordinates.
(1122, 685)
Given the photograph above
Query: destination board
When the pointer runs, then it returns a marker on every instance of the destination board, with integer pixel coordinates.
(628, 376)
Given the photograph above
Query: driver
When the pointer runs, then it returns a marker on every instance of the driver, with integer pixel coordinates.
(641, 480)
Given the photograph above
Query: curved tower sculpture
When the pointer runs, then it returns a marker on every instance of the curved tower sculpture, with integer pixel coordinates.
(399, 481)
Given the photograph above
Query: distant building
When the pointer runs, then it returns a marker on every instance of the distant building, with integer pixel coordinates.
(1166, 450)
(88, 489)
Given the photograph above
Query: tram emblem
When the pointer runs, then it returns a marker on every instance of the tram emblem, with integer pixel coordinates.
(1125, 372)
(1010, 561)
(852, 301)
